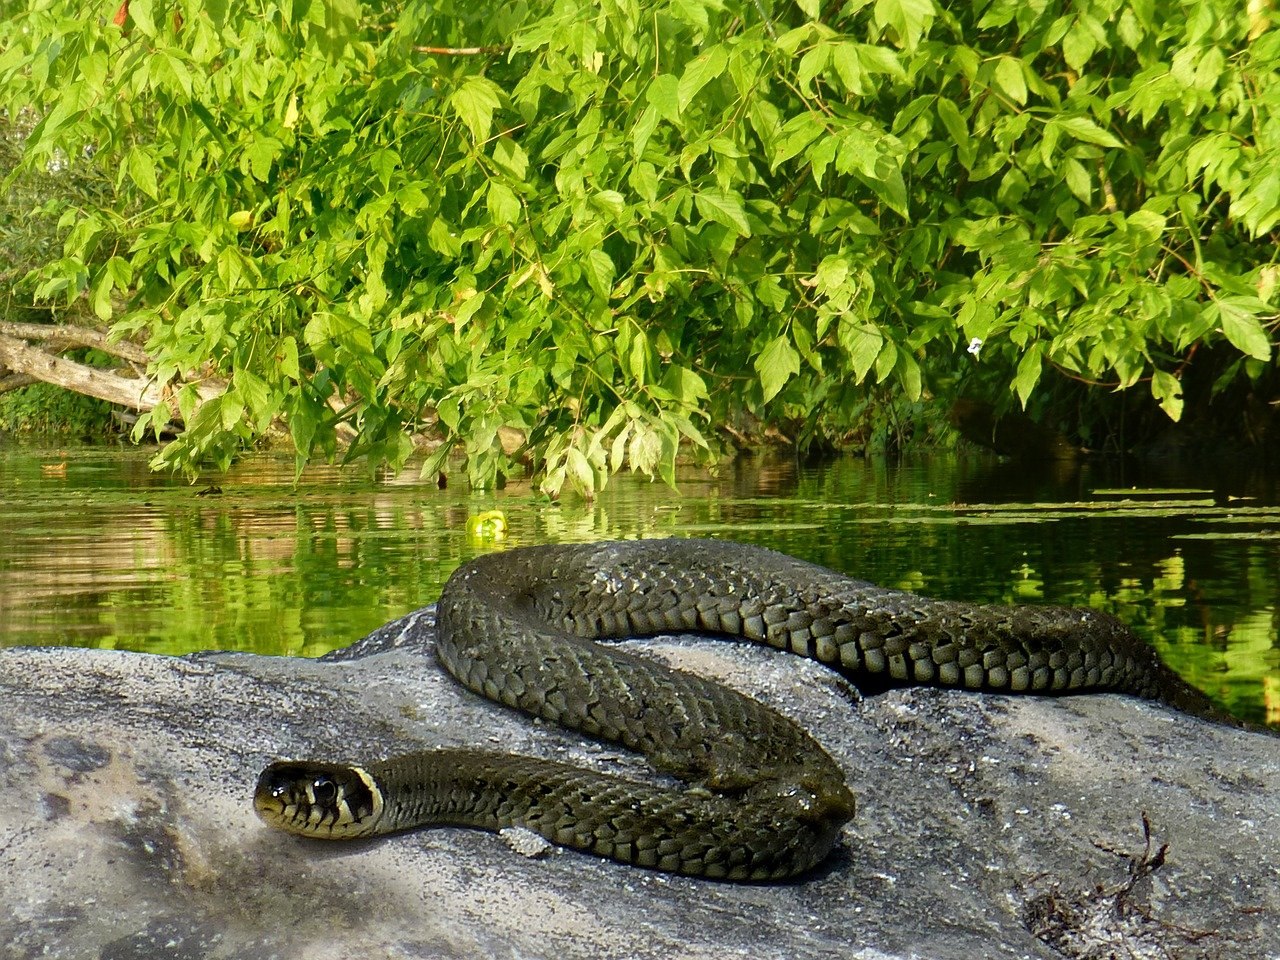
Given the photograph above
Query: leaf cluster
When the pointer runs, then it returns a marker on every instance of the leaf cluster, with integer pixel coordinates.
(608, 226)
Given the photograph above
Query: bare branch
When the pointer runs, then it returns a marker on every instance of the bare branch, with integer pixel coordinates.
(67, 337)
(131, 392)
(460, 51)
(14, 381)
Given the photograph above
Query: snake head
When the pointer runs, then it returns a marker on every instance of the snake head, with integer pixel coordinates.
(324, 800)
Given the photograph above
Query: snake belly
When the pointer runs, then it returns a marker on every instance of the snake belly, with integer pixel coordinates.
(761, 799)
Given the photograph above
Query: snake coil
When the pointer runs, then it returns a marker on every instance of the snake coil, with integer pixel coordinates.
(763, 800)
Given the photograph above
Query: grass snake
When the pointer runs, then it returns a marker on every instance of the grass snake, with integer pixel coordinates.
(761, 799)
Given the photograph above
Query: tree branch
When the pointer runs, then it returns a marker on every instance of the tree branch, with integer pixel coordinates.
(13, 381)
(67, 337)
(460, 51)
(133, 392)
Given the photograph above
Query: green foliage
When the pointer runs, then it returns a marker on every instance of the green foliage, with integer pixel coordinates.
(29, 217)
(28, 238)
(44, 409)
(617, 223)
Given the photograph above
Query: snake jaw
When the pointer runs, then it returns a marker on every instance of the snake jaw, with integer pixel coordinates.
(324, 801)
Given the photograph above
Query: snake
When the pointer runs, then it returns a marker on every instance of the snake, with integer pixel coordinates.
(742, 792)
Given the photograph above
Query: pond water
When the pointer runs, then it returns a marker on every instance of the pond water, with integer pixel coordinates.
(97, 551)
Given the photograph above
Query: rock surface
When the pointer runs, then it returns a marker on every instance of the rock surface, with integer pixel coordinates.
(987, 826)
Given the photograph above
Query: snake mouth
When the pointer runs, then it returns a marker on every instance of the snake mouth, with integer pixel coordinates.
(320, 800)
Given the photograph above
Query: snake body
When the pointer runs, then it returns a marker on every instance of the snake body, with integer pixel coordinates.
(762, 799)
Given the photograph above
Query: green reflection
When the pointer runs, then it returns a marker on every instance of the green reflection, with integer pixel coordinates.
(97, 551)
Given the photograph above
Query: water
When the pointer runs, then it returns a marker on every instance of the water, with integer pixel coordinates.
(97, 551)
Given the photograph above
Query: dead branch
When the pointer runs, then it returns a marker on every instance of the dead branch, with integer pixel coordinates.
(460, 51)
(13, 381)
(132, 392)
(58, 337)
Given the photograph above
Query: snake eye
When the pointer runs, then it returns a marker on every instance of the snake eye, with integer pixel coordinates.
(325, 791)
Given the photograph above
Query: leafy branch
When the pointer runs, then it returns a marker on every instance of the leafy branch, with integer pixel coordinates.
(574, 236)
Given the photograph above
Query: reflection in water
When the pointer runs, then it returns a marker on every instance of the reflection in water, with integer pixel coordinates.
(101, 552)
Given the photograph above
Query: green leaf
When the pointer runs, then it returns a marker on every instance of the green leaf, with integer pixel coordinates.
(611, 202)
(645, 124)
(468, 309)
(815, 60)
(230, 408)
(1078, 46)
(260, 156)
(909, 376)
(142, 17)
(685, 385)
(475, 103)
(600, 272)
(1028, 375)
(511, 157)
(723, 207)
(257, 398)
(950, 116)
(848, 66)
(664, 96)
(777, 364)
(1077, 178)
(1009, 79)
(1240, 325)
(1086, 131)
(797, 133)
(287, 358)
(1167, 389)
(863, 342)
(302, 427)
(580, 475)
(142, 171)
(876, 59)
(907, 19)
(383, 162)
(503, 205)
(886, 360)
(698, 72)
(831, 274)
(643, 179)
(100, 296)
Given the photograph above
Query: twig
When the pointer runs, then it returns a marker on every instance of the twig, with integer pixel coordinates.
(462, 51)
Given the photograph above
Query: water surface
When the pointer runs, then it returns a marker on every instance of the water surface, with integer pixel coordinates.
(97, 551)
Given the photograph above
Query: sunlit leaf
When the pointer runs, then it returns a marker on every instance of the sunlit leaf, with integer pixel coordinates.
(722, 206)
(475, 102)
(1240, 325)
(777, 364)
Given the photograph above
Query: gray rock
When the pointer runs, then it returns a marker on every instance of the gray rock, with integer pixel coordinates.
(987, 826)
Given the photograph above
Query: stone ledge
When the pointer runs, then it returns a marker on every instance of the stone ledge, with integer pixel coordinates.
(126, 829)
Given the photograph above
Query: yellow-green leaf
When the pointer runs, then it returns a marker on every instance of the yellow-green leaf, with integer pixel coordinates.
(1167, 389)
(475, 102)
(1009, 79)
(777, 364)
(1086, 131)
(1238, 316)
(142, 171)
